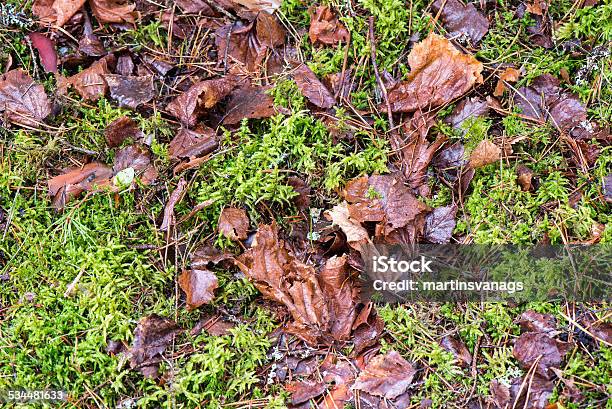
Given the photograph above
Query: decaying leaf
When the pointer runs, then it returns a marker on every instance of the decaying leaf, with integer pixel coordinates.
(510, 74)
(268, 6)
(113, 11)
(524, 175)
(340, 295)
(70, 184)
(532, 392)
(440, 223)
(201, 96)
(176, 196)
(304, 391)
(130, 91)
(22, 101)
(249, 102)
(56, 12)
(89, 83)
(121, 129)
(607, 188)
(152, 336)
(387, 376)
(46, 51)
(138, 158)
(356, 234)
(531, 321)
(537, 348)
(312, 88)
(188, 144)
(461, 20)
(485, 153)
(467, 108)
(325, 27)
(439, 73)
(234, 223)
(199, 286)
(458, 349)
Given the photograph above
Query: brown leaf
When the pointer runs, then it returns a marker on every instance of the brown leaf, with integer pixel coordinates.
(176, 196)
(439, 73)
(450, 158)
(130, 91)
(249, 102)
(234, 223)
(356, 235)
(460, 20)
(91, 45)
(531, 321)
(302, 200)
(121, 129)
(341, 295)
(312, 88)
(467, 108)
(510, 74)
(23, 101)
(268, 6)
(138, 158)
(112, 11)
(458, 349)
(199, 286)
(485, 153)
(533, 392)
(46, 51)
(70, 184)
(440, 223)
(304, 391)
(524, 175)
(325, 27)
(201, 96)
(195, 7)
(56, 11)
(152, 336)
(532, 347)
(198, 142)
(367, 329)
(387, 376)
(89, 83)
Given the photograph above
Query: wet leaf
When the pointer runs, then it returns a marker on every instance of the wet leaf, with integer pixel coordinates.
(537, 347)
(130, 91)
(458, 349)
(607, 188)
(524, 175)
(89, 83)
(468, 108)
(249, 102)
(304, 391)
(268, 6)
(152, 336)
(176, 196)
(440, 223)
(187, 143)
(64, 187)
(22, 101)
(312, 88)
(302, 200)
(138, 158)
(121, 129)
(234, 223)
(439, 73)
(461, 20)
(200, 97)
(510, 74)
(199, 286)
(531, 321)
(56, 12)
(341, 296)
(112, 11)
(387, 376)
(195, 7)
(485, 153)
(533, 393)
(325, 27)
(356, 235)
(451, 157)
(46, 51)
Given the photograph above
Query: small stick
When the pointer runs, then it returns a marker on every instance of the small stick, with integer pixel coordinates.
(381, 85)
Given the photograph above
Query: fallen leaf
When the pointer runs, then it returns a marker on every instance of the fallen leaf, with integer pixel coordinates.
(524, 175)
(64, 187)
(138, 158)
(176, 196)
(187, 143)
(341, 295)
(46, 51)
(91, 45)
(366, 333)
(356, 234)
(201, 96)
(267, 6)
(130, 91)
(249, 102)
(112, 11)
(56, 12)
(510, 74)
(234, 223)
(302, 200)
(461, 20)
(89, 83)
(531, 321)
(387, 376)
(121, 129)
(540, 349)
(23, 101)
(458, 349)
(311, 87)
(152, 336)
(467, 108)
(533, 393)
(199, 286)
(440, 223)
(607, 188)
(485, 153)
(304, 391)
(325, 27)
(439, 73)
(451, 158)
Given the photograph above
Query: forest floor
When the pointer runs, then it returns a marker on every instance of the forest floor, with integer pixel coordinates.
(187, 189)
